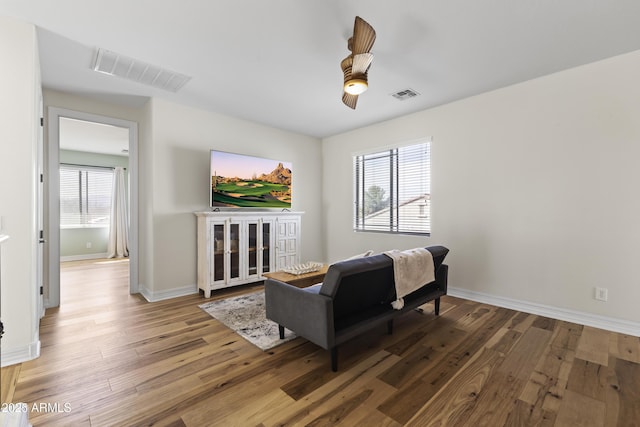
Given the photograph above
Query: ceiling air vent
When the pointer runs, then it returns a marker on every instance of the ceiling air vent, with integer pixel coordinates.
(114, 64)
(405, 94)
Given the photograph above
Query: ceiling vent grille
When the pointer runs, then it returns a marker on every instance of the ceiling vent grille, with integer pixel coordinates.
(114, 64)
(405, 94)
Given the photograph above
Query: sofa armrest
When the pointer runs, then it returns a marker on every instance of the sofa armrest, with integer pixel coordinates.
(307, 314)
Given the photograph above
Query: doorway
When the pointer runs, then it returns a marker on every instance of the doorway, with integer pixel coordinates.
(58, 120)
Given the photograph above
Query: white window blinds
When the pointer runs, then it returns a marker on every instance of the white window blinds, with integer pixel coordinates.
(393, 190)
(85, 195)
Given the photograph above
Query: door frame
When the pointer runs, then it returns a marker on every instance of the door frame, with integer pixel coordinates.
(40, 212)
(54, 115)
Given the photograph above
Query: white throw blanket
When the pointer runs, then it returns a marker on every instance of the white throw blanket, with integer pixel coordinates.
(412, 269)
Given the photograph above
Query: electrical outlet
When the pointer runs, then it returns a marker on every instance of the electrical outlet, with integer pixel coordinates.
(601, 294)
(88, 245)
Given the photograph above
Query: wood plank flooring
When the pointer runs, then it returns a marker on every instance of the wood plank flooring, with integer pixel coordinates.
(113, 359)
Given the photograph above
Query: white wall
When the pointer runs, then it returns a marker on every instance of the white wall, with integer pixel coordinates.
(181, 138)
(534, 189)
(145, 195)
(19, 105)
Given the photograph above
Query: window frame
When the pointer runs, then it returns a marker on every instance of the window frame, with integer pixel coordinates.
(395, 172)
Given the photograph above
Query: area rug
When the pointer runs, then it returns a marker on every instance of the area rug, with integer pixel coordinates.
(246, 315)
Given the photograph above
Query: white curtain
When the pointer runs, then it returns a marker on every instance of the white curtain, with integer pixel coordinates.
(119, 227)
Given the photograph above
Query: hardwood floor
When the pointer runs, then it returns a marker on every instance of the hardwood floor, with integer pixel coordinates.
(109, 358)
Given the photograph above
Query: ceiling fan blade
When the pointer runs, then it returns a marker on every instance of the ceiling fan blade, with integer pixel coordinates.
(363, 36)
(347, 68)
(361, 63)
(347, 65)
(349, 100)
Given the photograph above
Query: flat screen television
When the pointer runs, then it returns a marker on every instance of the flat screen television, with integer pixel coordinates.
(241, 181)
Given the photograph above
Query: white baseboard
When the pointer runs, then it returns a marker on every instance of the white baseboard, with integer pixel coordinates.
(83, 257)
(153, 296)
(13, 356)
(602, 322)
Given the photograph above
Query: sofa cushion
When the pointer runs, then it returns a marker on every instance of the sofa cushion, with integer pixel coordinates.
(362, 255)
(313, 289)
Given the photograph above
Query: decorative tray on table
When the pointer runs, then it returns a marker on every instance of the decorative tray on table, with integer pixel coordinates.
(307, 267)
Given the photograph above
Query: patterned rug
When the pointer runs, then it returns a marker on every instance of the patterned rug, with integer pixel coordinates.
(246, 315)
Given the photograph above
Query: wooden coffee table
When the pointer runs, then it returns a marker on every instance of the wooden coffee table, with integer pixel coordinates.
(300, 280)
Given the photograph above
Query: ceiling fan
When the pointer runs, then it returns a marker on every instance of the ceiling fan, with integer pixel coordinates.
(356, 66)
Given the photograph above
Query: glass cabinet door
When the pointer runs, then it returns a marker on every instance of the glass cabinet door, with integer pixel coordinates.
(218, 252)
(252, 239)
(234, 248)
(266, 247)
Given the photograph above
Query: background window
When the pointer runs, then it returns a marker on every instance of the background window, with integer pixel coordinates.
(393, 190)
(85, 196)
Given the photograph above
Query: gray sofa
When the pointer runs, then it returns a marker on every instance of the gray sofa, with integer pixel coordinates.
(354, 297)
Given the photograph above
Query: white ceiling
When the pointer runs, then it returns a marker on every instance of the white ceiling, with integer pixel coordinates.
(277, 62)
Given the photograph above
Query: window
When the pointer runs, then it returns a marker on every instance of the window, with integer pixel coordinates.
(85, 196)
(393, 190)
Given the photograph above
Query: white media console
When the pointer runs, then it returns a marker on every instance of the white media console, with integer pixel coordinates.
(235, 248)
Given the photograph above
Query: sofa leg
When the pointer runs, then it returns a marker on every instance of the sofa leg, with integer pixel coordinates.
(334, 359)
(390, 327)
(437, 306)
(281, 331)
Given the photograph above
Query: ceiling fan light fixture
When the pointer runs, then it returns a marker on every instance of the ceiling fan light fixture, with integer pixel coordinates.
(355, 67)
(355, 86)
